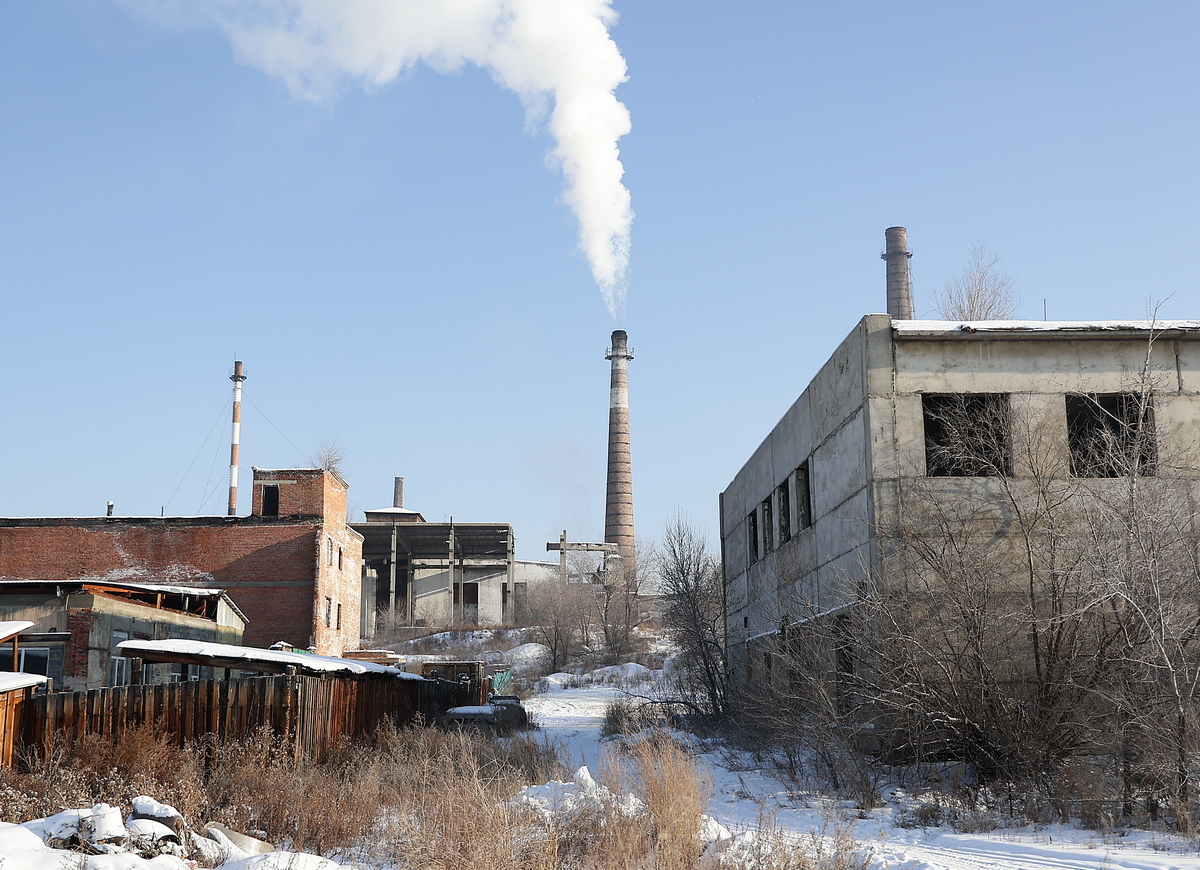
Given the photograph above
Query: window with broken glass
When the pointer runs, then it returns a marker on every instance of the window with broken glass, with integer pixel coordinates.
(967, 434)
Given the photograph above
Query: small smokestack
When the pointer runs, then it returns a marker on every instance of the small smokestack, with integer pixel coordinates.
(618, 513)
(398, 493)
(110, 509)
(899, 285)
(235, 442)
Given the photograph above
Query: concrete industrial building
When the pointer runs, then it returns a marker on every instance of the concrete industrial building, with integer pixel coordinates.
(293, 566)
(421, 573)
(862, 448)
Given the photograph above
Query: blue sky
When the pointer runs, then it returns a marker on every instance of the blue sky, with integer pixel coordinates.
(398, 270)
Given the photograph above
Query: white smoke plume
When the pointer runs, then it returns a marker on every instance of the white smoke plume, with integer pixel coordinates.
(556, 55)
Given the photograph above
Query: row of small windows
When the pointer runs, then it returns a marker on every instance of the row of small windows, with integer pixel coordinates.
(785, 512)
(970, 434)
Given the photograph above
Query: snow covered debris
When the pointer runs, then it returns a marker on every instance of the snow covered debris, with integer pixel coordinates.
(146, 807)
(141, 844)
(95, 825)
(560, 802)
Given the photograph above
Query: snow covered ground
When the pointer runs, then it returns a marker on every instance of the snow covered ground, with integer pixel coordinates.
(742, 795)
(570, 710)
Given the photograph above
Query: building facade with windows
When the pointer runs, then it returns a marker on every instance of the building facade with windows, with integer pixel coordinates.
(78, 624)
(293, 566)
(908, 413)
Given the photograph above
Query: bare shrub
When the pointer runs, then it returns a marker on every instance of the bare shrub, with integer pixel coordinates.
(675, 794)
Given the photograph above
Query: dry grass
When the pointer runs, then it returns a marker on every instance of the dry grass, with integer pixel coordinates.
(413, 798)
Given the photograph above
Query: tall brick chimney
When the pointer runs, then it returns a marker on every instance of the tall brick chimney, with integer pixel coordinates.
(899, 284)
(618, 513)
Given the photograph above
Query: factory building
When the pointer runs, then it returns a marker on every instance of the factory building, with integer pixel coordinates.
(292, 566)
(865, 450)
(422, 573)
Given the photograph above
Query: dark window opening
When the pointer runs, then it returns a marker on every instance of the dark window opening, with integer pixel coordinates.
(767, 530)
(338, 626)
(803, 499)
(1111, 434)
(270, 501)
(785, 513)
(752, 535)
(967, 435)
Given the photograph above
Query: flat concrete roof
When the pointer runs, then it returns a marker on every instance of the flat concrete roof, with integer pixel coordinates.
(431, 540)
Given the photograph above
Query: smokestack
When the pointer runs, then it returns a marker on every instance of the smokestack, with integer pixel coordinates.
(398, 493)
(899, 285)
(618, 513)
(237, 377)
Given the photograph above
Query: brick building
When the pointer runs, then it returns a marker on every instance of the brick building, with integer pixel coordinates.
(77, 625)
(292, 566)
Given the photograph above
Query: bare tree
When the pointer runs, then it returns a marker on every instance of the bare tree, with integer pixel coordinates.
(617, 606)
(980, 292)
(554, 609)
(329, 456)
(693, 612)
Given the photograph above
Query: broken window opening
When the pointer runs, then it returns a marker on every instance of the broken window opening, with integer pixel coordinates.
(752, 535)
(785, 512)
(767, 530)
(1111, 434)
(967, 435)
(270, 501)
(803, 499)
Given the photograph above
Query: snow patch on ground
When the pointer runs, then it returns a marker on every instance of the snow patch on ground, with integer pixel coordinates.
(570, 710)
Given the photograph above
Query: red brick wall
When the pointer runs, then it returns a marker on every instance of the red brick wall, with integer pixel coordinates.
(341, 586)
(302, 492)
(269, 568)
(75, 657)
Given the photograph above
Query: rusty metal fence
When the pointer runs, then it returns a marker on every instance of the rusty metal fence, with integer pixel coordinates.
(312, 714)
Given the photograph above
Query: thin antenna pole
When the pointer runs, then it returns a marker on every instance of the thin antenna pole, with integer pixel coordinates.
(235, 443)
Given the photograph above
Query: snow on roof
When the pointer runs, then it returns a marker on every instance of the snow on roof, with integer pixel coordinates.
(391, 510)
(10, 682)
(951, 326)
(199, 591)
(8, 629)
(304, 662)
